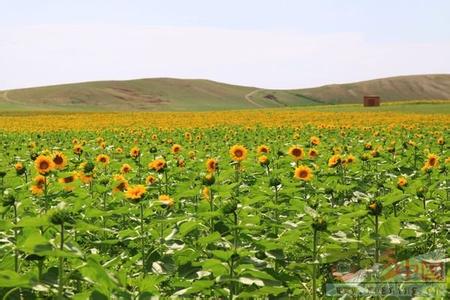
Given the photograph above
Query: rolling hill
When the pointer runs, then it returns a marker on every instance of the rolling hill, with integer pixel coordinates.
(168, 94)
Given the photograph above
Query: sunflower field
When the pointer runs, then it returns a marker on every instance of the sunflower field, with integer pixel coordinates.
(262, 205)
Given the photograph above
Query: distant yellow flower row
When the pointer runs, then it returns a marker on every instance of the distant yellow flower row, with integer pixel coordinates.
(248, 118)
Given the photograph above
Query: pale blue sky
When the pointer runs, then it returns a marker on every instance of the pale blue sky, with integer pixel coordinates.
(279, 44)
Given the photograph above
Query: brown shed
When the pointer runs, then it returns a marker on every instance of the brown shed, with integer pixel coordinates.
(372, 100)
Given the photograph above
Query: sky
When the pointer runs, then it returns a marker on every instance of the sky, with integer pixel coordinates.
(261, 43)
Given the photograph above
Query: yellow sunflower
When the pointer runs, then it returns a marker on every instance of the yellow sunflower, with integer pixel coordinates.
(135, 152)
(67, 179)
(60, 160)
(187, 136)
(85, 178)
(211, 165)
(166, 200)
(39, 180)
(314, 140)
(37, 190)
(44, 164)
(303, 173)
(402, 182)
(433, 160)
(205, 193)
(103, 158)
(296, 152)
(135, 193)
(176, 149)
(78, 149)
(19, 166)
(126, 168)
(263, 149)
(121, 184)
(238, 153)
(263, 160)
(158, 165)
(350, 159)
(334, 161)
(313, 153)
(150, 179)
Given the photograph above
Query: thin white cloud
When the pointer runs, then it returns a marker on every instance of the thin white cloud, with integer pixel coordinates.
(49, 54)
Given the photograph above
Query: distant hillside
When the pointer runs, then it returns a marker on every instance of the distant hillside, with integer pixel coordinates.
(167, 94)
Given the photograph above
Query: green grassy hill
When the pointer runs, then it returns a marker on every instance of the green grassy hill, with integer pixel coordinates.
(167, 94)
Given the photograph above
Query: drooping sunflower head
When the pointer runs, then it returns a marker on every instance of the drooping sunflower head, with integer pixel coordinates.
(78, 149)
(103, 159)
(314, 140)
(263, 149)
(205, 193)
(166, 201)
(303, 173)
(238, 153)
(37, 190)
(120, 183)
(211, 165)
(296, 152)
(20, 168)
(350, 159)
(135, 193)
(44, 164)
(135, 152)
(86, 178)
(68, 179)
(39, 180)
(150, 179)
(313, 153)
(60, 160)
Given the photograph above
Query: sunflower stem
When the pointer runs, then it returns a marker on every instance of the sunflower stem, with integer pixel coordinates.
(167, 182)
(144, 271)
(16, 251)
(211, 204)
(61, 265)
(377, 242)
(314, 277)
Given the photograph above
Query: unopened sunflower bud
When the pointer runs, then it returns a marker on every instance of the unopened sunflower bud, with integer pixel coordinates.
(229, 207)
(88, 167)
(274, 181)
(8, 199)
(59, 217)
(319, 224)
